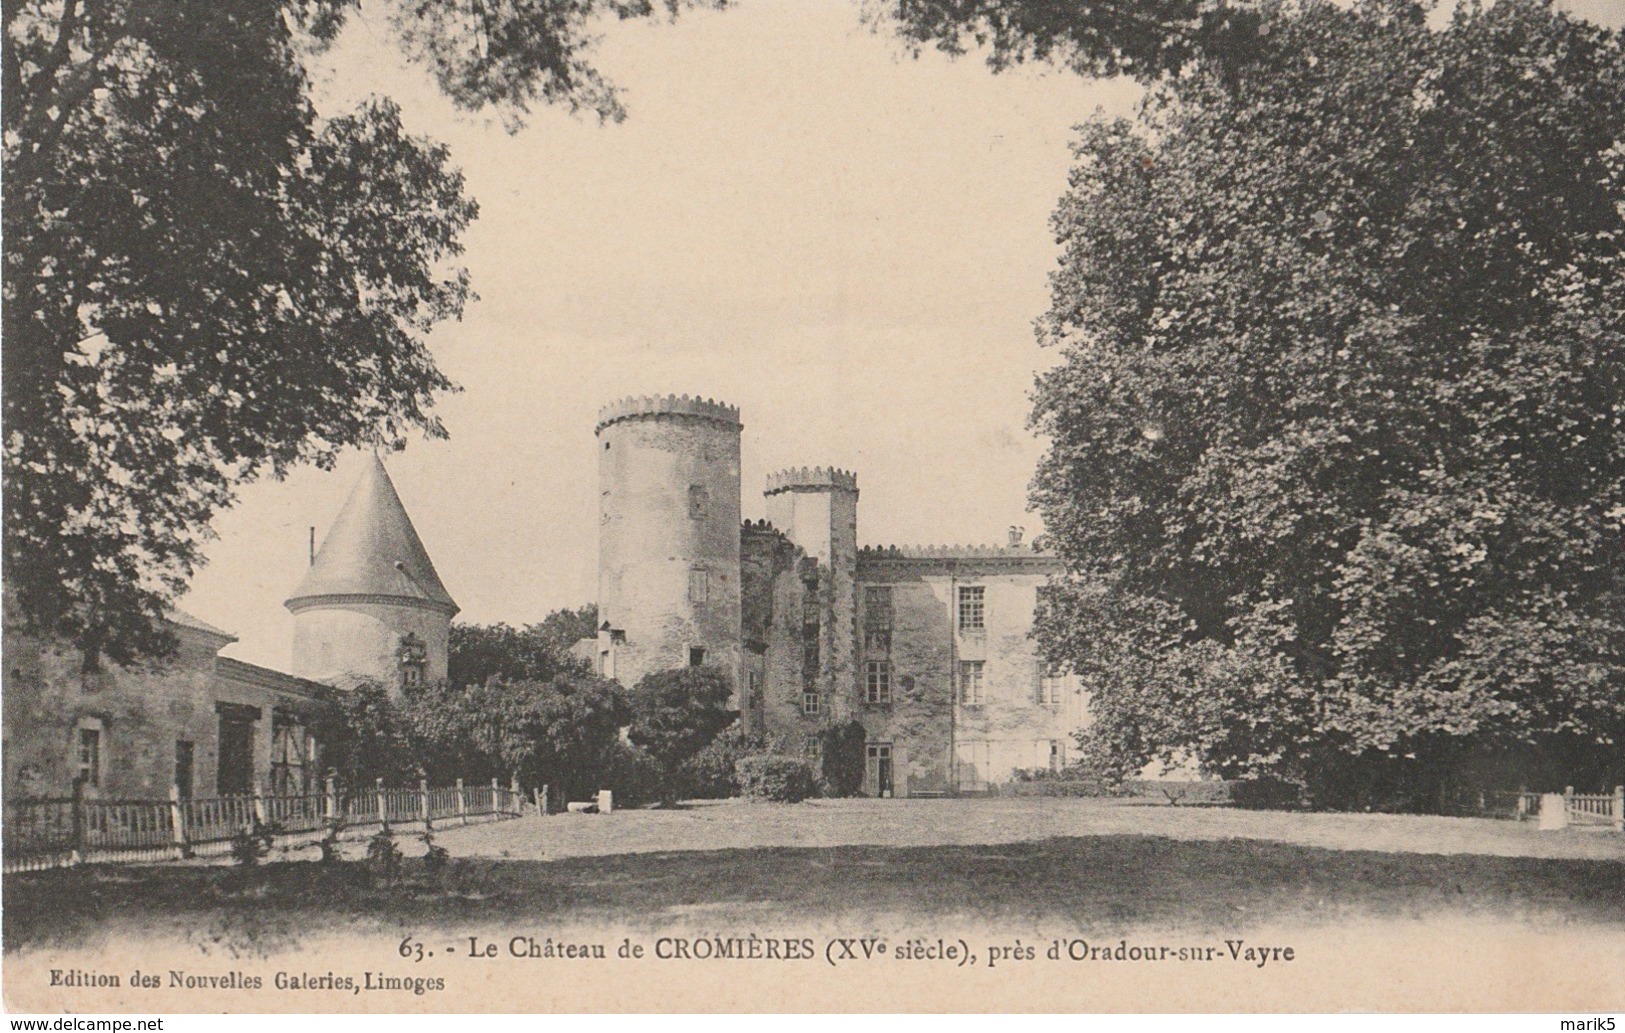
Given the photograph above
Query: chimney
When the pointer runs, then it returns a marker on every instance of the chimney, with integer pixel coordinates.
(1016, 534)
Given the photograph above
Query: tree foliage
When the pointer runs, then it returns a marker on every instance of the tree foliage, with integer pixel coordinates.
(775, 778)
(517, 704)
(677, 713)
(711, 773)
(536, 652)
(1336, 461)
(1141, 38)
(370, 738)
(205, 282)
(561, 732)
(843, 760)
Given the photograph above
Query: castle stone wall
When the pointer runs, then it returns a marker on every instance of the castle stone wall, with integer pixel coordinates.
(347, 642)
(669, 562)
(140, 712)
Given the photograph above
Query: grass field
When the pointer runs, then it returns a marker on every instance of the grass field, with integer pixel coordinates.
(930, 863)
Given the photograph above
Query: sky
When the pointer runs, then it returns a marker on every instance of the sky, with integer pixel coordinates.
(797, 217)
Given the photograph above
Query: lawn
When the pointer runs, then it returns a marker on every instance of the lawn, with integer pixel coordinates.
(940, 862)
(1034, 868)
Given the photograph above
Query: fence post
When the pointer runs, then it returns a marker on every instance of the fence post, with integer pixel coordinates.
(515, 802)
(76, 854)
(259, 804)
(423, 790)
(496, 798)
(462, 803)
(383, 812)
(1619, 808)
(1523, 801)
(177, 818)
(545, 809)
(332, 799)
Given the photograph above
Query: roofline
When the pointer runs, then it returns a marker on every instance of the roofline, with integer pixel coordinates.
(269, 678)
(203, 630)
(872, 565)
(299, 604)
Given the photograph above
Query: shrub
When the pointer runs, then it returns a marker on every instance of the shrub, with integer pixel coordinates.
(842, 768)
(252, 842)
(710, 774)
(767, 776)
(1265, 793)
(330, 842)
(434, 857)
(383, 855)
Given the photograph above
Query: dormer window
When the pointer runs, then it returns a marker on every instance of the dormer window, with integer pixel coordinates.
(411, 659)
(697, 498)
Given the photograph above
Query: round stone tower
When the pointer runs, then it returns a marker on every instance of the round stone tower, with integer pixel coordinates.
(817, 509)
(371, 607)
(668, 537)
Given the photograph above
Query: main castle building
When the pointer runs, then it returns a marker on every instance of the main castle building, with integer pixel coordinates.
(929, 648)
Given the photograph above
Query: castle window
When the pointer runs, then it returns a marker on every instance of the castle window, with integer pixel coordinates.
(1051, 683)
(877, 607)
(812, 748)
(970, 683)
(696, 501)
(411, 659)
(972, 608)
(696, 656)
(811, 704)
(877, 682)
(877, 641)
(698, 586)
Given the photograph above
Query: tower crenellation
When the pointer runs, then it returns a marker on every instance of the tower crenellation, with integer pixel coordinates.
(647, 406)
(815, 478)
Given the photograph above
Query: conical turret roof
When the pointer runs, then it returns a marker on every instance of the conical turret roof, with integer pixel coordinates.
(373, 550)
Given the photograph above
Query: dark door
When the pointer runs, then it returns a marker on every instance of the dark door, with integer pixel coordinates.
(880, 768)
(236, 770)
(183, 768)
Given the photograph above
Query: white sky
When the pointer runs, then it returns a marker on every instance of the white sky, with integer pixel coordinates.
(796, 218)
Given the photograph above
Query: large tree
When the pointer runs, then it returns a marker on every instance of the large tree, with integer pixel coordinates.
(1338, 461)
(535, 652)
(516, 702)
(1145, 39)
(678, 712)
(204, 281)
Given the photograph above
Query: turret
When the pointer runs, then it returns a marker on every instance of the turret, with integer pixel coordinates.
(371, 608)
(817, 508)
(668, 540)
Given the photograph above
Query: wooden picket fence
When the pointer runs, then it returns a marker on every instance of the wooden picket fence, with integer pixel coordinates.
(1602, 810)
(57, 833)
